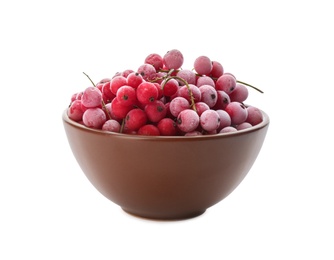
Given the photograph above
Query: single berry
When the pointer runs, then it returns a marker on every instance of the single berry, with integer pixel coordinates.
(155, 60)
(147, 92)
(237, 111)
(134, 79)
(167, 127)
(135, 119)
(116, 83)
(177, 105)
(150, 130)
(91, 97)
(187, 120)
(226, 82)
(203, 65)
(240, 93)
(208, 95)
(173, 59)
(94, 118)
(111, 125)
(210, 120)
(155, 111)
(254, 116)
(126, 96)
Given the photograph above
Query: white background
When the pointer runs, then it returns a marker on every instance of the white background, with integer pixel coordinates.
(284, 207)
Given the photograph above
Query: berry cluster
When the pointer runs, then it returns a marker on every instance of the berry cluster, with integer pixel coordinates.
(161, 98)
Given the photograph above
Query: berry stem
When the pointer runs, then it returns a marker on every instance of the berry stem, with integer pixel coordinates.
(122, 126)
(89, 79)
(168, 77)
(189, 90)
(244, 83)
(199, 75)
(103, 104)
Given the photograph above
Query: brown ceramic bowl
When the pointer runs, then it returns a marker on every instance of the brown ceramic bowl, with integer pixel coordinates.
(165, 177)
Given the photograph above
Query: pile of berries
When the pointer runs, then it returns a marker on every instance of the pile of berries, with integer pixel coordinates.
(161, 98)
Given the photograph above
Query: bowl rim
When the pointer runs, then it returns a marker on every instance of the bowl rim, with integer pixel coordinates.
(265, 122)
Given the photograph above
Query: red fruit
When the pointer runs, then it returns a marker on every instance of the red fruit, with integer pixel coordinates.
(75, 111)
(205, 80)
(187, 120)
(254, 116)
(155, 60)
(184, 91)
(167, 127)
(91, 97)
(177, 105)
(203, 65)
(126, 73)
(126, 95)
(240, 93)
(244, 125)
(151, 130)
(147, 92)
(201, 107)
(226, 82)
(107, 92)
(118, 110)
(217, 70)
(208, 95)
(94, 118)
(188, 75)
(111, 125)
(116, 83)
(222, 100)
(155, 111)
(170, 87)
(135, 119)
(237, 111)
(147, 71)
(173, 59)
(210, 120)
(160, 91)
(134, 79)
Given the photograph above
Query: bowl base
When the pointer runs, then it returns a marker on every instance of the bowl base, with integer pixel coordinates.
(170, 217)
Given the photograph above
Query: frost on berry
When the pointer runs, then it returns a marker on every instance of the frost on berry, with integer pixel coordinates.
(237, 111)
(208, 95)
(173, 59)
(155, 60)
(254, 116)
(203, 65)
(111, 125)
(91, 97)
(187, 120)
(147, 71)
(187, 75)
(226, 82)
(94, 118)
(162, 98)
(210, 120)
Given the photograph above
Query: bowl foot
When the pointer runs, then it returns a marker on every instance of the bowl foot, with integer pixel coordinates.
(165, 217)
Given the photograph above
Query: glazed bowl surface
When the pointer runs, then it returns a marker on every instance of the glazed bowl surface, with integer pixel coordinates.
(165, 177)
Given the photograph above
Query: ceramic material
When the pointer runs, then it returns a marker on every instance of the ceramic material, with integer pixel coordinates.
(165, 177)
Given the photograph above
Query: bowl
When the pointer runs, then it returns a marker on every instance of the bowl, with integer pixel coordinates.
(165, 177)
